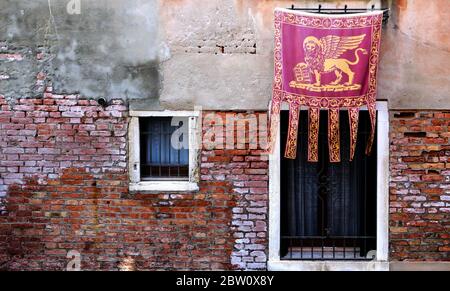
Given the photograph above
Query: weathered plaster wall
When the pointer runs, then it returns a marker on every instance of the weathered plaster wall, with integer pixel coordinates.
(222, 51)
(211, 64)
(176, 54)
(415, 67)
(108, 50)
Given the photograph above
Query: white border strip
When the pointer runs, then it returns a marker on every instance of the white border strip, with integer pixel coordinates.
(164, 186)
(165, 113)
(382, 181)
(319, 15)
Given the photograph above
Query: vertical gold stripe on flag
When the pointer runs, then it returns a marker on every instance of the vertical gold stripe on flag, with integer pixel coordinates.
(291, 144)
(353, 116)
(274, 120)
(372, 107)
(313, 135)
(334, 144)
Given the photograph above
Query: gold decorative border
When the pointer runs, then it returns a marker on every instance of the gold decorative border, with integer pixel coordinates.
(373, 120)
(348, 22)
(274, 119)
(313, 134)
(353, 118)
(326, 102)
(334, 137)
(278, 56)
(316, 103)
(291, 144)
(375, 22)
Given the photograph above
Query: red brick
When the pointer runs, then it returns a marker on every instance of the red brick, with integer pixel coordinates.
(419, 216)
(62, 207)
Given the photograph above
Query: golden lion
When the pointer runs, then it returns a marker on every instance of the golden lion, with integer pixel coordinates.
(322, 56)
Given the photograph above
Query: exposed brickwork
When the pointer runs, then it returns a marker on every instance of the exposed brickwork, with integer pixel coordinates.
(11, 57)
(223, 34)
(2, 206)
(64, 172)
(246, 45)
(248, 172)
(94, 215)
(64, 186)
(24, 70)
(40, 137)
(420, 186)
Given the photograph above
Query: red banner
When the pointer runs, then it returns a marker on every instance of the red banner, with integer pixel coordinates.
(325, 62)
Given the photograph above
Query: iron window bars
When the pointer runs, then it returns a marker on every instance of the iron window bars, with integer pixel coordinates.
(160, 159)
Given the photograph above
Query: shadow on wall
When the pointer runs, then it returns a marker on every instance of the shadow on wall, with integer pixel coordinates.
(110, 229)
(110, 49)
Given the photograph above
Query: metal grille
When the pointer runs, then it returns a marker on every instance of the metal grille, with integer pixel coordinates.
(162, 157)
(329, 209)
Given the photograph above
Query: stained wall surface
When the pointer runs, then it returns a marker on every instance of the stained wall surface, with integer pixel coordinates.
(109, 49)
(176, 54)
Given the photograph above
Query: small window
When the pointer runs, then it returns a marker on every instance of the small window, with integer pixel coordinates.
(164, 148)
(163, 151)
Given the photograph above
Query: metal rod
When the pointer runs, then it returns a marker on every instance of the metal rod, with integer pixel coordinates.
(344, 10)
(326, 237)
(320, 9)
(301, 247)
(290, 248)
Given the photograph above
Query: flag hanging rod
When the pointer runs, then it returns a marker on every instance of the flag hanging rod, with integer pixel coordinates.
(338, 10)
(344, 10)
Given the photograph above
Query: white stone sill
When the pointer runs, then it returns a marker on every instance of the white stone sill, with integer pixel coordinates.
(164, 186)
(327, 266)
(165, 113)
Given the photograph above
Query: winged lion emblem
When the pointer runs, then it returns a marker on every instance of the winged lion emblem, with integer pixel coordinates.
(324, 55)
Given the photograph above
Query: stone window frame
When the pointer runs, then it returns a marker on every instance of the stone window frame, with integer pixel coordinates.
(381, 260)
(136, 184)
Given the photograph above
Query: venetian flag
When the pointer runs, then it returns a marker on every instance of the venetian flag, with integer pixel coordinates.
(325, 62)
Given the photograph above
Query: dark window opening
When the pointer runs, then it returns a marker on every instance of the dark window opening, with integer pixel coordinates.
(328, 210)
(163, 155)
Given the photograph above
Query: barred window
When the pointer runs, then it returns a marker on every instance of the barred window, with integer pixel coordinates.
(164, 150)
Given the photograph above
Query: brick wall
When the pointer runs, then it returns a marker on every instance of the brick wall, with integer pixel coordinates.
(247, 178)
(247, 171)
(420, 186)
(64, 186)
(64, 182)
